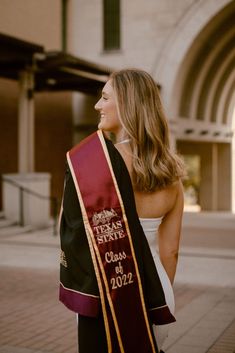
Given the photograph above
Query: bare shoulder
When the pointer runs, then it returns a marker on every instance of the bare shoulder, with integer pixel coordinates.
(176, 188)
(171, 196)
(172, 191)
(160, 202)
(177, 191)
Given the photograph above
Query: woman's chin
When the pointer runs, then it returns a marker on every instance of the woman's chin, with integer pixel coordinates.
(101, 126)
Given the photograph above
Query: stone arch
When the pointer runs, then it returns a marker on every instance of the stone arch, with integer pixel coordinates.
(198, 82)
(166, 69)
(202, 98)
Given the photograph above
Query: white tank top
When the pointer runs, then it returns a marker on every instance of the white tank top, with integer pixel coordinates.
(150, 227)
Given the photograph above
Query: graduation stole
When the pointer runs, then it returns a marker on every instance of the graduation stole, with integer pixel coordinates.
(111, 248)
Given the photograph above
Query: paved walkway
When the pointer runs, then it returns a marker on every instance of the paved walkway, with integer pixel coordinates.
(32, 320)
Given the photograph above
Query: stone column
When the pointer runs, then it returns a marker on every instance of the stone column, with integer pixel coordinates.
(216, 180)
(224, 187)
(26, 123)
(208, 173)
(233, 173)
(214, 176)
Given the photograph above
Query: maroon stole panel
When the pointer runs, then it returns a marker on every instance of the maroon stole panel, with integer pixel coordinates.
(125, 316)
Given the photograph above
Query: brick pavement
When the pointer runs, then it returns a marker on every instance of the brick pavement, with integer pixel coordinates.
(226, 341)
(32, 320)
(202, 322)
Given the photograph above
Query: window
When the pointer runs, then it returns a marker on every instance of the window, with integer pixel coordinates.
(111, 23)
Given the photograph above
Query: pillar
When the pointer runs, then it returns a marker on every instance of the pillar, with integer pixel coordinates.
(233, 169)
(215, 193)
(26, 123)
(224, 186)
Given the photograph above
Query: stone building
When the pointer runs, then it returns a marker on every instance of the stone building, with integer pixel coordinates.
(37, 145)
(188, 47)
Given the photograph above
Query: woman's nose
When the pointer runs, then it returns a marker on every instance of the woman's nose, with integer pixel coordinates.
(97, 105)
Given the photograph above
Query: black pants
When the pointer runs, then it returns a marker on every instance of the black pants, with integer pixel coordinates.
(91, 335)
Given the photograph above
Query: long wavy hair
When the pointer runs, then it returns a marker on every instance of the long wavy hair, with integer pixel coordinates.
(140, 111)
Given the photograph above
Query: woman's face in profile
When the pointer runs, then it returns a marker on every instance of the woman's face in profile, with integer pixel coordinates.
(106, 105)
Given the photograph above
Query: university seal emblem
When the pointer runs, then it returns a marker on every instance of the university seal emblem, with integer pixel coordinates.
(103, 217)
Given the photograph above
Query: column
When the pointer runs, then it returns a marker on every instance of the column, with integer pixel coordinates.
(26, 123)
(214, 176)
(233, 167)
(225, 177)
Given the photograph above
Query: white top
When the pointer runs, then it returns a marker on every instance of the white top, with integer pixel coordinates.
(150, 227)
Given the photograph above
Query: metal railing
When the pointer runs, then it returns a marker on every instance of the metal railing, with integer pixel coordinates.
(22, 189)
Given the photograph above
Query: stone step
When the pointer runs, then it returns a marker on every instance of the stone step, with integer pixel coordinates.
(9, 228)
(212, 220)
(5, 223)
(2, 215)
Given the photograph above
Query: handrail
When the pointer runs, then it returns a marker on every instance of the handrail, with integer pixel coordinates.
(22, 189)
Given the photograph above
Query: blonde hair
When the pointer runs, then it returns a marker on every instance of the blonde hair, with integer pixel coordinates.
(140, 111)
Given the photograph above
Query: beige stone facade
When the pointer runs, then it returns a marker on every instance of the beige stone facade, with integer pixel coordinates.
(186, 45)
(36, 22)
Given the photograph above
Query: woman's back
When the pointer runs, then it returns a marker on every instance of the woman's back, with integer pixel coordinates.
(150, 205)
(156, 204)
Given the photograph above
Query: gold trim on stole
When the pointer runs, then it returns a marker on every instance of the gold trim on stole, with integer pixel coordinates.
(76, 291)
(101, 137)
(96, 256)
(93, 255)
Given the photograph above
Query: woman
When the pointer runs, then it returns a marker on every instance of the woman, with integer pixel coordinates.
(131, 111)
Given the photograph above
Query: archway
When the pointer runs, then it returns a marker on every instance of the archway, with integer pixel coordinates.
(200, 97)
